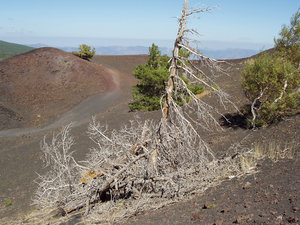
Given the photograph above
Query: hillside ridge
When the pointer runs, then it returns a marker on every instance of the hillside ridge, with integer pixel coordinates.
(8, 49)
(45, 82)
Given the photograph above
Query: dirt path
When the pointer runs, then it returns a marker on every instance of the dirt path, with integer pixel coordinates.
(78, 115)
(20, 152)
(231, 203)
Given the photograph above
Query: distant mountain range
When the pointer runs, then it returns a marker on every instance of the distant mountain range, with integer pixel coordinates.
(121, 50)
(230, 53)
(8, 50)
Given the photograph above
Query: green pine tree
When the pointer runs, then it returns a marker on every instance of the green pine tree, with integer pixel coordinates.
(152, 79)
(85, 52)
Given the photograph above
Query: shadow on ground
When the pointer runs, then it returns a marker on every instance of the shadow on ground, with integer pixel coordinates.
(237, 120)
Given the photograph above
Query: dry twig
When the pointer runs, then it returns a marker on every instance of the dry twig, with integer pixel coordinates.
(144, 160)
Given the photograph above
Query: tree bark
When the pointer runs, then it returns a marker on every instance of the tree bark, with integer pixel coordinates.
(173, 68)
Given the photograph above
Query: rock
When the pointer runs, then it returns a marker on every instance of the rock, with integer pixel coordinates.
(246, 205)
(291, 219)
(296, 209)
(259, 165)
(225, 210)
(59, 212)
(197, 217)
(243, 219)
(208, 205)
(279, 217)
(247, 185)
(219, 222)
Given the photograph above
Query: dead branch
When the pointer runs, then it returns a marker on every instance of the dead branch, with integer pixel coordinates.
(281, 93)
(253, 108)
(143, 160)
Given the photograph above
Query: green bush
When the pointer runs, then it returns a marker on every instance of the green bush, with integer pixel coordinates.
(85, 52)
(152, 77)
(196, 89)
(271, 81)
(267, 75)
(288, 44)
(8, 203)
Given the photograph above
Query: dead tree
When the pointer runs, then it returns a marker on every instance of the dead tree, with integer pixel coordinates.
(192, 70)
(143, 160)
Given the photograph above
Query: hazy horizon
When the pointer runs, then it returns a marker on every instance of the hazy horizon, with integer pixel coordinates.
(108, 42)
(232, 24)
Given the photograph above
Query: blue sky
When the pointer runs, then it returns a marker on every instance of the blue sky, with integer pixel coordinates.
(234, 23)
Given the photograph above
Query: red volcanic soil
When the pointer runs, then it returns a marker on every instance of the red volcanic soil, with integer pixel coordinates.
(60, 80)
(41, 84)
(124, 63)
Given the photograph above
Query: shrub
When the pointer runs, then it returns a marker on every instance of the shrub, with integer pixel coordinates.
(85, 52)
(288, 44)
(271, 81)
(8, 203)
(271, 85)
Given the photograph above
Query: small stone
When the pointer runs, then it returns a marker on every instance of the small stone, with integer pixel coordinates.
(273, 213)
(247, 185)
(208, 205)
(279, 217)
(296, 209)
(219, 222)
(59, 212)
(271, 186)
(224, 210)
(267, 196)
(291, 219)
(197, 217)
(243, 219)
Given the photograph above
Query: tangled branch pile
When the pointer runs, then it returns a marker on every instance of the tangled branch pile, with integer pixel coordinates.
(145, 160)
(134, 161)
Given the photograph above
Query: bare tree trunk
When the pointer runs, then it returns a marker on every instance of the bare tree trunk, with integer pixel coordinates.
(150, 158)
(174, 68)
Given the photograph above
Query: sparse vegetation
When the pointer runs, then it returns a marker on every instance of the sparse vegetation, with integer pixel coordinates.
(132, 171)
(85, 52)
(272, 81)
(155, 161)
(146, 164)
(8, 203)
